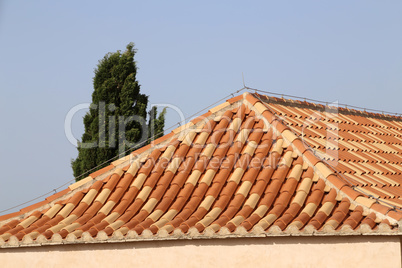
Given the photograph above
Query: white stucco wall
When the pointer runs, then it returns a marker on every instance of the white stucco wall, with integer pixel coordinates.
(363, 251)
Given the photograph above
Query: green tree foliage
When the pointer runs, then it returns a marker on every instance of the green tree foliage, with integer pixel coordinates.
(116, 120)
(156, 124)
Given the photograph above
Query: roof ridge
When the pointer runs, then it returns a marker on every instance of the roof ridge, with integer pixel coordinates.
(361, 111)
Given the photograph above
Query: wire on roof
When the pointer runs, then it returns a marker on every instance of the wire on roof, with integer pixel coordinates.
(347, 106)
(173, 126)
(136, 146)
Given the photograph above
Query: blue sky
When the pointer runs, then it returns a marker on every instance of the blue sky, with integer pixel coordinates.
(189, 55)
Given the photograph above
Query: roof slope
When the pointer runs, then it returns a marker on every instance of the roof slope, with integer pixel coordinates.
(363, 147)
(238, 170)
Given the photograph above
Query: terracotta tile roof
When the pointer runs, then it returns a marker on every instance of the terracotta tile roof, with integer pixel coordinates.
(252, 166)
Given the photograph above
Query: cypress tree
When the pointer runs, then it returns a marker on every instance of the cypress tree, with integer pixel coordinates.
(156, 124)
(116, 120)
